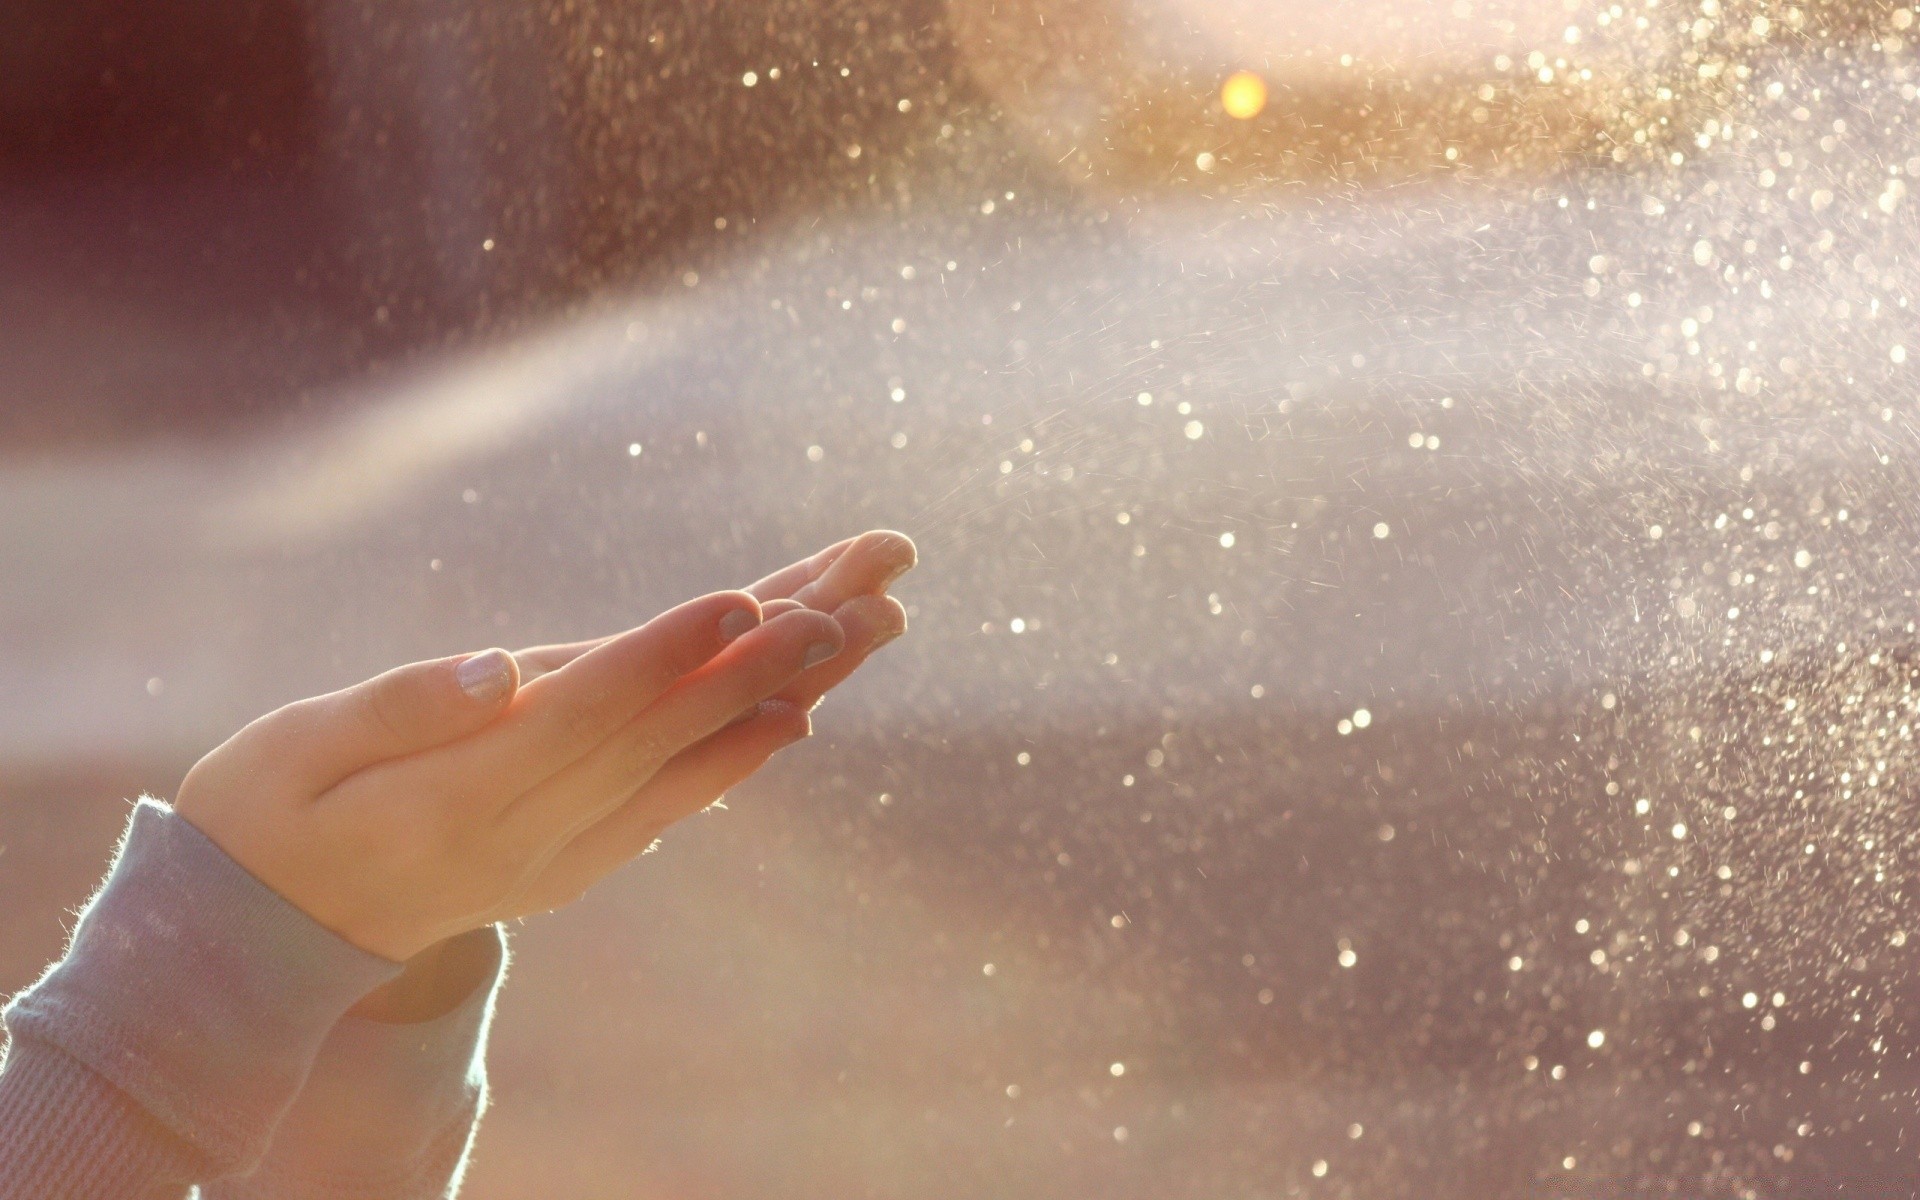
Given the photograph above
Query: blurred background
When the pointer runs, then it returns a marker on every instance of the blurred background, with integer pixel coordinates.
(1412, 681)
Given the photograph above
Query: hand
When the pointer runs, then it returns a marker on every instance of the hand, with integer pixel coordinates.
(410, 809)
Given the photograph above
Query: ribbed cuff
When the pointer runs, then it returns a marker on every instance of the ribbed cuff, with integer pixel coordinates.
(389, 1109)
(197, 990)
(65, 1132)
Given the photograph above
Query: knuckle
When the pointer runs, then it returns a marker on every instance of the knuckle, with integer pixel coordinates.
(583, 722)
(644, 752)
(685, 653)
(381, 708)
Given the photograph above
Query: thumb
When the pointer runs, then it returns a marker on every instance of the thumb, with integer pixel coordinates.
(404, 711)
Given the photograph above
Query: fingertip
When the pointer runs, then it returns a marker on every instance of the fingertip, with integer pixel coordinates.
(739, 614)
(790, 721)
(871, 621)
(873, 561)
(897, 549)
(489, 678)
(885, 555)
(808, 624)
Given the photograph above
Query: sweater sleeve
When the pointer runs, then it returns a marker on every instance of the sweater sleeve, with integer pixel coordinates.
(169, 1042)
(389, 1110)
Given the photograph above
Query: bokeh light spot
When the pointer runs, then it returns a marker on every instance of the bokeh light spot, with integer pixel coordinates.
(1243, 95)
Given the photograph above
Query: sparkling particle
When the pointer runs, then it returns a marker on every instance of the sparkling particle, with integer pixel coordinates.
(1226, 541)
(633, 449)
(1194, 430)
(1597, 1039)
(1117, 1070)
(1381, 530)
(750, 78)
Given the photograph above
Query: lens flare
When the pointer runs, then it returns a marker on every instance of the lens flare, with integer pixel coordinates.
(1243, 95)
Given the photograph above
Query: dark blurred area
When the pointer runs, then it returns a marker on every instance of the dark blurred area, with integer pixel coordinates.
(217, 215)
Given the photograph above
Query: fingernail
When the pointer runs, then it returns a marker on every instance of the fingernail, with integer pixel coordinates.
(885, 636)
(737, 622)
(818, 653)
(486, 676)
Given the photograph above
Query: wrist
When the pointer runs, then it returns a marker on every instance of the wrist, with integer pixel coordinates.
(433, 982)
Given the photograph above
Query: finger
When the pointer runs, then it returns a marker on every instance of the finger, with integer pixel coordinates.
(564, 715)
(869, 622)
(774, 608)
(752, 670)
(404, 711)
(868, 566)
(536, 661)
(692, 781)
(791, 578)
